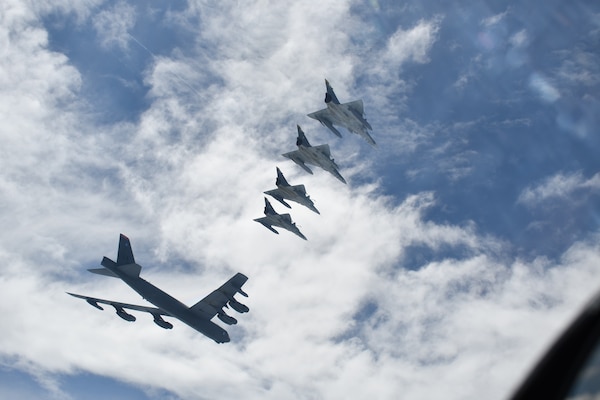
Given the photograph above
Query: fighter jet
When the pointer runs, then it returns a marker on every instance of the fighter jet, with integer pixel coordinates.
(281, 220)
(349, 115)
(295, 193)
(197, 316)
(317, 155)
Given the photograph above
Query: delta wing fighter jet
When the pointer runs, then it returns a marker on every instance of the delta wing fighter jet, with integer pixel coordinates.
(295, 193)
(197, 316)
(284, 221)
(317, 155)
(349, 115)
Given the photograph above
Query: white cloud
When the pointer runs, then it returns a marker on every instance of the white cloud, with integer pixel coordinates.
(579, 67)
(113, 25)
(560, 186)
(184, 182)
(495, 19)
(413, 44)
(543, 87)
(519, 39)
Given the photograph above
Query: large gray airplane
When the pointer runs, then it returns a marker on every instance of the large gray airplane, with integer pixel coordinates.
(295, 193)
(197, 316)
(349, 115)
(317, 155)
(284, 221)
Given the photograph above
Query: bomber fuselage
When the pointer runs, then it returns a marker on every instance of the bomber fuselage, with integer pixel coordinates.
(172, 306)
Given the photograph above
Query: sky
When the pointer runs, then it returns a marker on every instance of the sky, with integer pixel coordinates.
(461, 247)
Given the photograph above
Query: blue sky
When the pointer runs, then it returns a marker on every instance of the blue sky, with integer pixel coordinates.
(463, 243)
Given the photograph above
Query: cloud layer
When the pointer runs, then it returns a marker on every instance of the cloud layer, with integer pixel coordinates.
(382, 299)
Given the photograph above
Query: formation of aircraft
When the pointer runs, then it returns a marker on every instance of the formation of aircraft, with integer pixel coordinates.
(285, 191)
(319, 156)
(349, 115)
(197, 316)
(272, 218)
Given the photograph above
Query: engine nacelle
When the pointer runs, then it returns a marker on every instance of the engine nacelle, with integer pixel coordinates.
(229, 320)
(127, 317)
(237, 306)
(162, 323)
(94, 304)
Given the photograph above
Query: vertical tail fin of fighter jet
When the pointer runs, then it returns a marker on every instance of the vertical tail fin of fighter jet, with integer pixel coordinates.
(281, 181)
(269, 210)
(125, 261)
(302, 140)
(330, 96)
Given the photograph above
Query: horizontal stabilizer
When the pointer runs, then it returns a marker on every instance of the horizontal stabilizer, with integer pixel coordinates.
(132, 270)
(103, 271)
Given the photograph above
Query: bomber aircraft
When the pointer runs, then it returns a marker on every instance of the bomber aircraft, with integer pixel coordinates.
(197, 316)
(295, 193)
(281, 220)
(317, 155)
(349, 115)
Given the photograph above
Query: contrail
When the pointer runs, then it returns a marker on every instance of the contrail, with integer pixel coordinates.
(156, 57)
(141, 45)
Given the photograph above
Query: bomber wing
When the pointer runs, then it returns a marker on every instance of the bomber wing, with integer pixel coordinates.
(94, 302)
(120, 309)
(213, 304)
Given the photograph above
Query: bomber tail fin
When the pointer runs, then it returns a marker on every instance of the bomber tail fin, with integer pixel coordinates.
(125, 255)
(125, 261)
